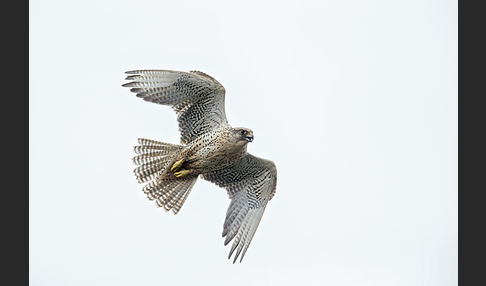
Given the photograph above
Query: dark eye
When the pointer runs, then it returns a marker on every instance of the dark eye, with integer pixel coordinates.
(242, 131)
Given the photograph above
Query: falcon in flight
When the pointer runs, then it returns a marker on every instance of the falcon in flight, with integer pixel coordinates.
(210, 147)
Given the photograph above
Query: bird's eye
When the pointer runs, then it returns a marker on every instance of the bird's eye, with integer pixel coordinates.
(242, 131)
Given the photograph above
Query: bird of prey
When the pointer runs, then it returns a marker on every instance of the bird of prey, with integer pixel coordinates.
(209, 148)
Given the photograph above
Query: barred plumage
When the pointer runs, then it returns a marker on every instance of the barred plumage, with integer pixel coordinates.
(170, 194)
(210, 148)
(147, 173)
(154, 158)
(150, 157)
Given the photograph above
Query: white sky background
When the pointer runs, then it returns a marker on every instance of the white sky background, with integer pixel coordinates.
(355, 102)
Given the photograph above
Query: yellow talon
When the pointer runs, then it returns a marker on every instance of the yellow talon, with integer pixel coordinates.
(177, 165)
(181, 173)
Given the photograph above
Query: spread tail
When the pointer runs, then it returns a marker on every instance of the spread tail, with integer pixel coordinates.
(154, 161)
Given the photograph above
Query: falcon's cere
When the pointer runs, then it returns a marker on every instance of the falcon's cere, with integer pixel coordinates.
(210, 147)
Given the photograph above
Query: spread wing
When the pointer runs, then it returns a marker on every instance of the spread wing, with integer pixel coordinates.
(250, 184)
(197, 98)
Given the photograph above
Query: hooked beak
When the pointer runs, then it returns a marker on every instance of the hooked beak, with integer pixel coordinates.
(249, 137)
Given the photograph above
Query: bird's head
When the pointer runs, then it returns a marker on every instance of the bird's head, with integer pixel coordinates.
(243, 134)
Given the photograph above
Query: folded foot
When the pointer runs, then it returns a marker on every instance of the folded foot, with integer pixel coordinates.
(177, 165)
(182, 173)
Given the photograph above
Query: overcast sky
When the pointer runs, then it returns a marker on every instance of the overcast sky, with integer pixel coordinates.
(355, 102)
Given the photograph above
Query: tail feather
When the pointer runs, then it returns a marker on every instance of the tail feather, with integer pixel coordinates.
(154, 158)
(149, 171)
(150, 157)
(170, 191)
(178, 200)
(150, 147)
(142, 149)
(163, 190)
(174, 193)
(154, 143)
(153, 162)
(182, 199)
